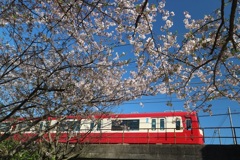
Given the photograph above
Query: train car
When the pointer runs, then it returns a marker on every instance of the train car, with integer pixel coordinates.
(137, 128)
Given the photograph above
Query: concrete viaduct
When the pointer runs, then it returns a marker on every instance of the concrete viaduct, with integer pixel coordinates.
(160, 152)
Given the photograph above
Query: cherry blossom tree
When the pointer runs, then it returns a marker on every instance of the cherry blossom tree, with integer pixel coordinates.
(77, 56)
(210, 57)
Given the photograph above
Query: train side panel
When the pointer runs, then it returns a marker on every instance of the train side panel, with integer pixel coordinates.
(145, 128)
(154, 129)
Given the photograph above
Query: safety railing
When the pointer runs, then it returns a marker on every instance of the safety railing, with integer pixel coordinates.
(151, 136)
(221, 135)
(211, 135)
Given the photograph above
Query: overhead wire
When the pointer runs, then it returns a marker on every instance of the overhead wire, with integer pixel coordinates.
(164, 101)
(222, 114)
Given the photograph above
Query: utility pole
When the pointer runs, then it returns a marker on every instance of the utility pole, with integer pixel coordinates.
(233, 130)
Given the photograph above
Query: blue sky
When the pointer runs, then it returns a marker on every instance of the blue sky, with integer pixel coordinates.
(197, 10)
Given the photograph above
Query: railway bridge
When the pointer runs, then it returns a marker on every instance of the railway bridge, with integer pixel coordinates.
(160, 152)
(214, 151)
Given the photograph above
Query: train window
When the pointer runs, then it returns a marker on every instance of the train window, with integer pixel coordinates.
(188, 124)
(69, 126)
(63, 126)
(162, 124)
(116, 125)
(132, 124)
(5, 127)
(99, 126)
(76, 125)
(44, 125)
(119, 125)
(92, 125)
(26, 126)
(153, 124)
(178, 124)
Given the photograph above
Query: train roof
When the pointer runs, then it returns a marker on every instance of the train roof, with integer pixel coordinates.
(153, 114)
(120, 115)
(138, 115)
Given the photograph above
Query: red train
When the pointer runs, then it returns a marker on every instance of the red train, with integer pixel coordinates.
(137, 128)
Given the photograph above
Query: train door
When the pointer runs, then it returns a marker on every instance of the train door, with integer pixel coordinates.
(158, 130)
(152, 136)
(158, 124)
